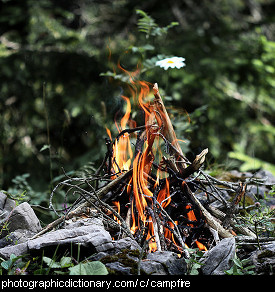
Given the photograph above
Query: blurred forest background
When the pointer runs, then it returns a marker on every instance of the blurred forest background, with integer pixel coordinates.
(60, 85)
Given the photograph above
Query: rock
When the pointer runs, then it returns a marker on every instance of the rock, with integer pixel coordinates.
(264, 259)
(23, 217)
(20, 222)
(6, 203)
(16, 237)
(98, 256)
(119, 269)
(87, 232)
(170, 261)
(269, 178)
(219, 258)
(6, 206)
(17, 250)
(152, 268)
(124, 262)
(126, 243)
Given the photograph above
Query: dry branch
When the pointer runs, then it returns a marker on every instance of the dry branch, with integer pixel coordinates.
(240, 229)
(211, 221)
(165, 124)
(195, 165)
(99, 194)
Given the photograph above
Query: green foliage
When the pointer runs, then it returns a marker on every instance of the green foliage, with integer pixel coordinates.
(250, 163)
(260, 220)
(240, 267)
(89, 268)
(147, 25)
(13, 266)
(193, 263)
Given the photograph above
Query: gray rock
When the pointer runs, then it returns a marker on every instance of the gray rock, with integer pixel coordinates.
(6, 206)
(23, 217)
(6, 203)
(126, 243)
(119, 268)
(170, 261)
(16, 237)
(264, 259)
(219, 258)
(269, 178)
(20, 222)
(18, 249)
(86, 234)
(152, 268)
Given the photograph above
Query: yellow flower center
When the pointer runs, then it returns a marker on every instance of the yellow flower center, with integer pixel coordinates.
(171, 62)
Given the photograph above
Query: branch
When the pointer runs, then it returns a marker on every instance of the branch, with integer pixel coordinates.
(99, 194)
(212, 222)
(164, 122)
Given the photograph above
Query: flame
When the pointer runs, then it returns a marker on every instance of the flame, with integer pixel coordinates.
(169, 234)
(200, 246)
(117, 204)
(191, 216)
(122, 151)
(139, 189)
(164, 195)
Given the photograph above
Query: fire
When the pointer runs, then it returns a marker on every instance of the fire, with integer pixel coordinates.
(140, 191)
(117, 204)
(191, 216)
(122, 151)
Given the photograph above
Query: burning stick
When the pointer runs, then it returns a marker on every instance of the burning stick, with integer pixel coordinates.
(212, 222)
(164, 122)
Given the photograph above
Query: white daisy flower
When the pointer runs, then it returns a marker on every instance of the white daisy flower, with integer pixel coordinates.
(174, 62)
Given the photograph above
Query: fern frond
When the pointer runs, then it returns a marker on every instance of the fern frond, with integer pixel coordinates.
(146, 23)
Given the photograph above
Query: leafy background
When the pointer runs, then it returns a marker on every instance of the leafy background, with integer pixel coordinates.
(60, 85)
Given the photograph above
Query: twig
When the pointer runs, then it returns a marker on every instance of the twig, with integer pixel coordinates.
(212, 222)
(175, 231)
(99, 194)
(168, 130)
(237, 227)
(122, 224)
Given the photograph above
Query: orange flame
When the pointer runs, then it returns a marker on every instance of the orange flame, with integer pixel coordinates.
(164, 195)
(123, 160)
(117, 204)
(191, 216)
(122, 151)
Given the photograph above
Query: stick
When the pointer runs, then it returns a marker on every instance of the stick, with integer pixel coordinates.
(240, 229)
(100, 194)
(195, 165)
(168, 131)
(212, 222)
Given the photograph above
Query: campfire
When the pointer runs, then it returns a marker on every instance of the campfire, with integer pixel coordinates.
(154, 200)
(145, 188)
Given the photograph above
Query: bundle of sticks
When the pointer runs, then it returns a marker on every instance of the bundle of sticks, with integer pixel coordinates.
(99, 190)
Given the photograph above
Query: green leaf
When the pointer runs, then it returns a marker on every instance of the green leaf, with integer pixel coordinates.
(65, 262)
(51, 263)
(238, 263)
(90, 268)
(6, 264)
